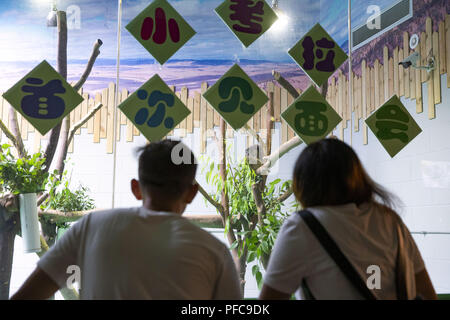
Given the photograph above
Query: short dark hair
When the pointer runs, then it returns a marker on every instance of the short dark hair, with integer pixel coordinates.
(328, 172)
(159, 171)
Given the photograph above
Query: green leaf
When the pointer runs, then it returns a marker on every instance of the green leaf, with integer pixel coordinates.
(258, 277)
(251, 257)
(255, 269)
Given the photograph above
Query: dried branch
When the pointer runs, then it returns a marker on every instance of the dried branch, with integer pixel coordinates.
(275, 156)
(80, 123)
(63, 145)
(16, 133)
(42, 198)
(285, 84)
(259, 202)
(95, 53)
(56, 131)
(205, 194)
(285, 195)
(8, 133)
(256, 136)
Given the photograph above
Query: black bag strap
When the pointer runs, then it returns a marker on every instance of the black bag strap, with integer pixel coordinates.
(336, 254)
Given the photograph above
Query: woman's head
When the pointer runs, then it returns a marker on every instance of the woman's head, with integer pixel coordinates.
(328, 172)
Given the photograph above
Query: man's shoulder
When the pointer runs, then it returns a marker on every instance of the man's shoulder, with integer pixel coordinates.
(99, 216)
(190, 232)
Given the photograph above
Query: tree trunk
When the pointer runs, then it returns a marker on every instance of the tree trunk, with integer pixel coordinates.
(243, 269)
(6, 259)
(9, 225)
(49, 232)
(62, 70)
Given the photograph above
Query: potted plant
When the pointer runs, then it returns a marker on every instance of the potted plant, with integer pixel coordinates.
(24, 177)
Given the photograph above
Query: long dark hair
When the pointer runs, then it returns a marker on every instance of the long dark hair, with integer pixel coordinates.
(328, 172)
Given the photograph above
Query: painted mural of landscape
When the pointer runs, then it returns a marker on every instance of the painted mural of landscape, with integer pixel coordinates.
(205, 58)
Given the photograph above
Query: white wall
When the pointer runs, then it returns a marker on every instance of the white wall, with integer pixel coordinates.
(419, 175)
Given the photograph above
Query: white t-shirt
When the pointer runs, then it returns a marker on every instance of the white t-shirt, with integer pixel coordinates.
(140, 254)
(366, 235)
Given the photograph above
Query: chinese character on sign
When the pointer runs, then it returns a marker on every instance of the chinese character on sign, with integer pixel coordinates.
(310, 120)
(311, 117)
(392, 123)
(249, 15)
(154, 109)
(161, 30)
(43, 97)
(163, 100)
(318, 55)
(160, 26)
(42, 103)
(236, 97)
(235, 86)
(309, 54)
(393, 126)
(247, 19)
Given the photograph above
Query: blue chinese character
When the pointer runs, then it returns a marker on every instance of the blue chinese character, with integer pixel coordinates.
(161, 100)
(42, 103)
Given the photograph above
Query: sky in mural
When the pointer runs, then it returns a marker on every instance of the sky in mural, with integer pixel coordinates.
(25, 39)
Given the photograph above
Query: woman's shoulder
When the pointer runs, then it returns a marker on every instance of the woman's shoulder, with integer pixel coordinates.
(385, 211)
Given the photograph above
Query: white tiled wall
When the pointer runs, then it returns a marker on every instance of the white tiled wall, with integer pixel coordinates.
(419, 175)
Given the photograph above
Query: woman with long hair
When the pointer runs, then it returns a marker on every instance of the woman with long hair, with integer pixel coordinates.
(355, 247)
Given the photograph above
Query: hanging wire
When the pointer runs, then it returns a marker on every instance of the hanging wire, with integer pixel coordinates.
(116, 101)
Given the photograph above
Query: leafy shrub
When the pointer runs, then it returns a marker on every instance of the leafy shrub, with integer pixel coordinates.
(22, 175)
(62, 198)
(254, 239)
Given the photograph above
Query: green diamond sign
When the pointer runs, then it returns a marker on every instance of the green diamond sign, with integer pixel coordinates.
(247, 19)
(318, 55)
(161, 30)
(393, 126)
(43, 97)
(236, 97)
(311, 116)
(154, 109)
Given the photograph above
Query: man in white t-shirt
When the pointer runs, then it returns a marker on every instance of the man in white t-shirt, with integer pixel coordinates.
(149, 252)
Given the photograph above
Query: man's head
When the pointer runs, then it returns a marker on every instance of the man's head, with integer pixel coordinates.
(166, 176)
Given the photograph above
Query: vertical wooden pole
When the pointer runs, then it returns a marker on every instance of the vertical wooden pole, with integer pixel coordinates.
(386, 72)
(436, 72)
(364, 100)
(406, 71)
(430, 75)
(396, 70)
(203, 119)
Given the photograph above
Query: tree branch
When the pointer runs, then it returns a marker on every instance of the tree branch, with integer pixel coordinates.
(259, 202)
(55, 133)
(63, 145)
(80, 123)
(270, 120)
(274, 157)
(8, 133)
(285, 84)
(256, 136)
(95, 53)
(42, 198)
(285, 195)
(205, 194)
(16, 132)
